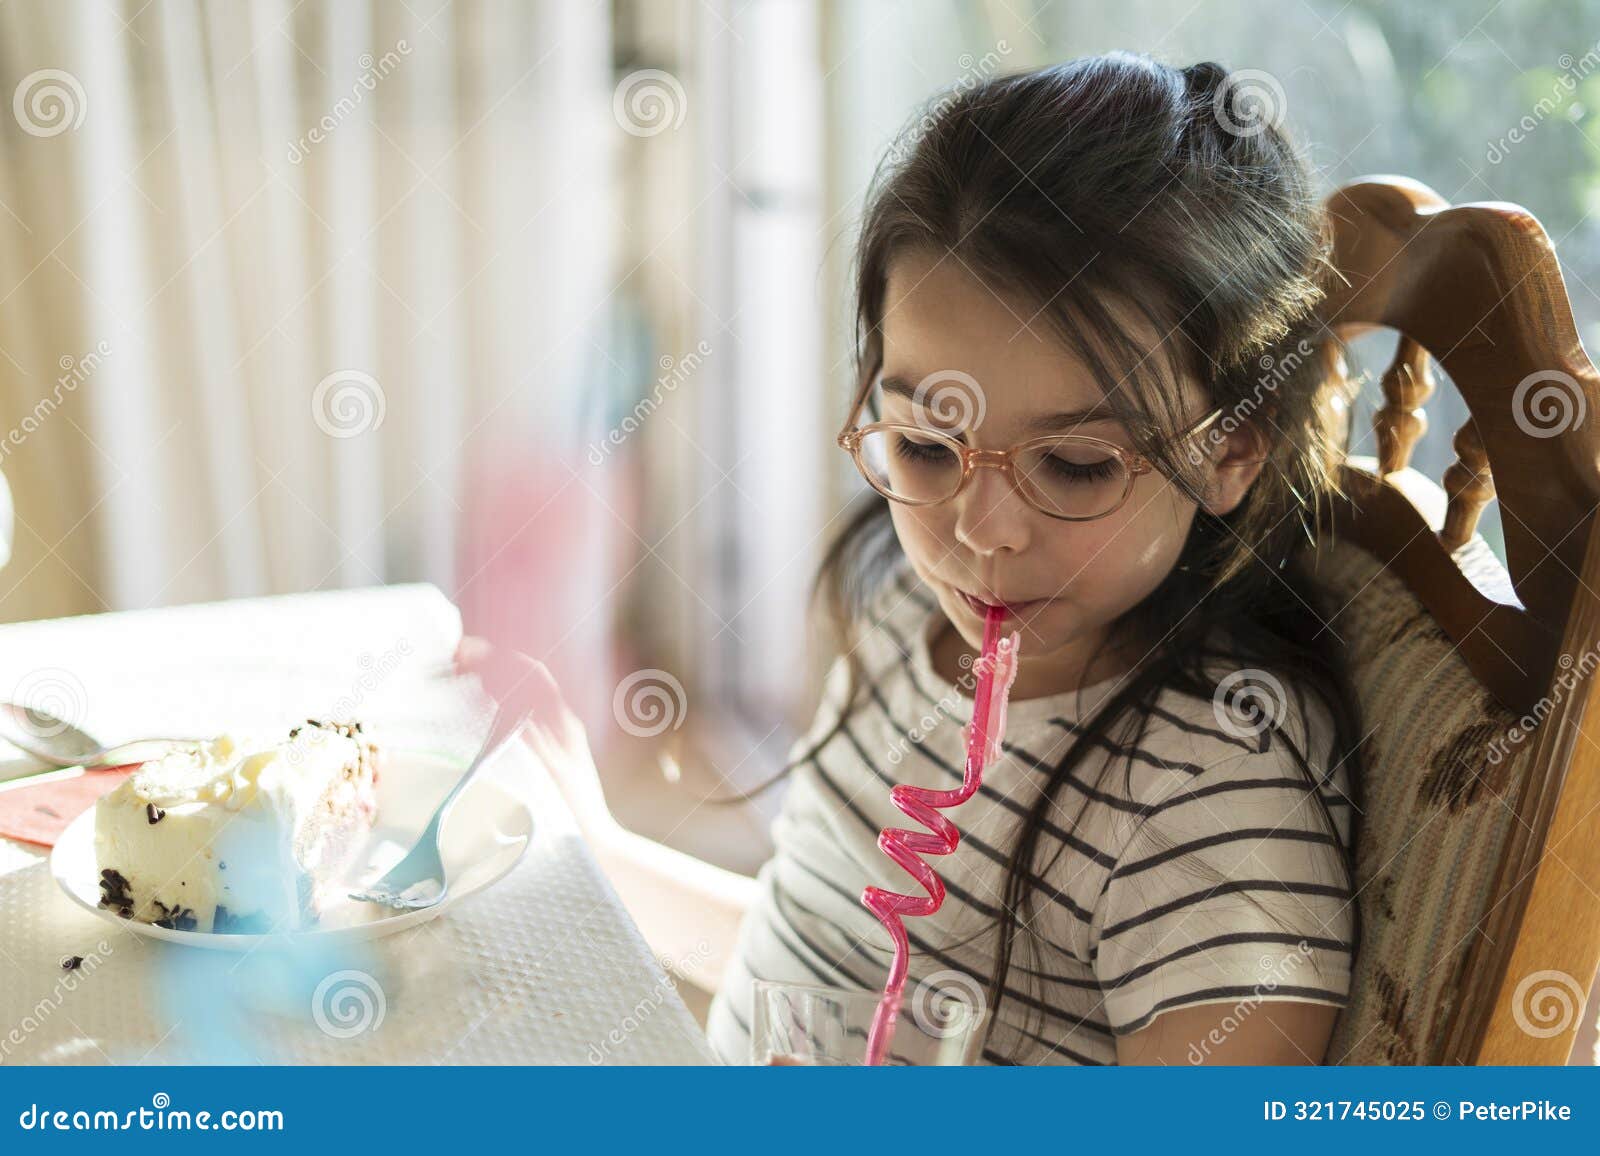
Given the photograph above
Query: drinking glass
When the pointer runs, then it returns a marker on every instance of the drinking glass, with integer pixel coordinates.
(808, 1024)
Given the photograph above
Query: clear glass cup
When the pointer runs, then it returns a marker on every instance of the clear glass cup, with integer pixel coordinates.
(805, 1024)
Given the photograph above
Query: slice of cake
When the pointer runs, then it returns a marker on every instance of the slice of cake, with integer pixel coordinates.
(235, 834)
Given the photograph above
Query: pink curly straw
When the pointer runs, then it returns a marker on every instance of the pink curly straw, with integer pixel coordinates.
(997, 670)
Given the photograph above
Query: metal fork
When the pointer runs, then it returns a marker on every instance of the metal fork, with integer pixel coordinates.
(418, 880)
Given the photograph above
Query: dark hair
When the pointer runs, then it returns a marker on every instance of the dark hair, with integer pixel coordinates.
(1170, 190)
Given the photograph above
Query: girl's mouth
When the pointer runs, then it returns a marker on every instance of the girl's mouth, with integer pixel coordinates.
(980, 607)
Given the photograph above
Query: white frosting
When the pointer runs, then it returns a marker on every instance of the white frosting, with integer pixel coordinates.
(243, 823)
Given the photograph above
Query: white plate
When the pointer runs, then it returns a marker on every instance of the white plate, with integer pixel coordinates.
(488, 831)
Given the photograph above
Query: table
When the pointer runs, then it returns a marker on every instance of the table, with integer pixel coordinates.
(544, 967)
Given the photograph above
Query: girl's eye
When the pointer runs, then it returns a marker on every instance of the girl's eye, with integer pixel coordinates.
(1071, 471)
(923, 452)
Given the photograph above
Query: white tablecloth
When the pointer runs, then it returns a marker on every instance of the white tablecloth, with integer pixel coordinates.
(543, 967)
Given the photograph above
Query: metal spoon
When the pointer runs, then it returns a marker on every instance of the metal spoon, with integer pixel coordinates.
(418, 880)
(61, 744)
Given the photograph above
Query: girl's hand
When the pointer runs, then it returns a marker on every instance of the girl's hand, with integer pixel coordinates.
(555, 735)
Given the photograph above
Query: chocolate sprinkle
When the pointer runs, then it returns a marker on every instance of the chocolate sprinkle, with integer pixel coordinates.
(154, 813)
(115, 893)
(348, 730)
(178, 918)
(72, 962)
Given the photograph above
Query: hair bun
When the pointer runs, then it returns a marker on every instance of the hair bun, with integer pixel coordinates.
(1204, 78)
(1243, 104)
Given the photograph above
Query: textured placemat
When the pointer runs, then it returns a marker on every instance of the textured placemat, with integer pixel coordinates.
(544, 967)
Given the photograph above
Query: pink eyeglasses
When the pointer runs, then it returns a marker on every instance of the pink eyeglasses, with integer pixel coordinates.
(1073, 477)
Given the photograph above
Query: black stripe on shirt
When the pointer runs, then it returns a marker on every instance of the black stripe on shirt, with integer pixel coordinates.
(1231, 887)
(1223, 941)
(1259, 833)
(1194, 728)
(1184, 796)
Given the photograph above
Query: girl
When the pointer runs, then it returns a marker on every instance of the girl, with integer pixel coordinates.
(1097, 280)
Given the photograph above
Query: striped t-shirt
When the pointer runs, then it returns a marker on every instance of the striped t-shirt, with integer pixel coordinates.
(1151, 901)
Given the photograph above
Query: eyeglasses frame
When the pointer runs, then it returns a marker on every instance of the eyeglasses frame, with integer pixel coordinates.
(849, 440)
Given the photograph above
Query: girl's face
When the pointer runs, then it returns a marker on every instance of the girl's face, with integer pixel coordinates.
(1066, 581)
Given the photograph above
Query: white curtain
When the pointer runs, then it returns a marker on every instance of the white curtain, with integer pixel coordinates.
(293, 263)
(301, 295)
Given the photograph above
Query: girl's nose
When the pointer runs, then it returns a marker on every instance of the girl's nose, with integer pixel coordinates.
(990, 515)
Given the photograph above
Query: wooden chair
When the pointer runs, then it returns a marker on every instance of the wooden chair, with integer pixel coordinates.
(1479, 853)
